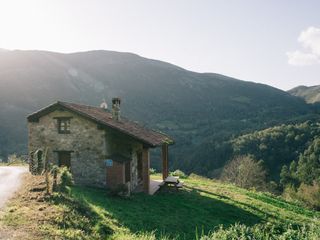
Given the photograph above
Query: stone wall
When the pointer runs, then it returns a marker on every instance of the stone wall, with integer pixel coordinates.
(85, 141)
(89, 147)
(134, 169)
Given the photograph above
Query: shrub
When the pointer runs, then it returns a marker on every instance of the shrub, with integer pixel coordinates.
(310, 195)
(179, 173)
(152, 171)
(245, 172)
(290, 194)
(65, 179)
(306, 195)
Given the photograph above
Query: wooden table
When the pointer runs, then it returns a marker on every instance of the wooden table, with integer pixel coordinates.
(172, 181)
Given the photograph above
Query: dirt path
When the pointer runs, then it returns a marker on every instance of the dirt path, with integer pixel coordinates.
(10, 179)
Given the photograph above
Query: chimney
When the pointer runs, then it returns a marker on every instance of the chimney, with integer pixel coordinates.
(116, 108)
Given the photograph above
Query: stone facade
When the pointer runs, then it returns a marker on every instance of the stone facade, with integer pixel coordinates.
(89, 146)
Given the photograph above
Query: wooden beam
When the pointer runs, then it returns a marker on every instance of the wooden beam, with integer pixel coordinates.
(145, 169)
(165, 165)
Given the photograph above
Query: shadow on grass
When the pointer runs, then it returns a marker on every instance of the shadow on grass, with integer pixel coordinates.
(172, 214)
(282, 204)
(245, 205)
(78, 215)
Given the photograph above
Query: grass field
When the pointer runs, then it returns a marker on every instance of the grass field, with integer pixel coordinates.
(198, 209)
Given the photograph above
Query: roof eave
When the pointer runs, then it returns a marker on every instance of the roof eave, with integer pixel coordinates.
(38, 114)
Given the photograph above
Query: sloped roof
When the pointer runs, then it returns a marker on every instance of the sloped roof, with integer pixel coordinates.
(103, 117)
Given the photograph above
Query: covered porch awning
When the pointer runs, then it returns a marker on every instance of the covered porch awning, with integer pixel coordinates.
(146, 167)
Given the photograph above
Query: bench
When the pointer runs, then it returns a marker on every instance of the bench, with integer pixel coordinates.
(172, 181)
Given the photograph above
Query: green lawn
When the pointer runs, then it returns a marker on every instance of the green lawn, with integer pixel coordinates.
(201, 206)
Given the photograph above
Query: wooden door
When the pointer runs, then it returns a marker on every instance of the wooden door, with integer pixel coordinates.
(64, 159)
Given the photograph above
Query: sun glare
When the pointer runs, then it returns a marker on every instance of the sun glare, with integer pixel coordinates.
(30, 25)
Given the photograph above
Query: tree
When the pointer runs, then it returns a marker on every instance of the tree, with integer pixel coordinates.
(246, 172)
(285, 176)
(288, 176)
(308, 169)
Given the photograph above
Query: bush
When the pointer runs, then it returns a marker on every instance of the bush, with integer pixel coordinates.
(310, 195)
(152, 171)
(179, 173)
(65, 179)
(245, 172)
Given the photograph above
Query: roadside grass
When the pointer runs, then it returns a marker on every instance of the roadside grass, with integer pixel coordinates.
(203, 209)
(26, 211)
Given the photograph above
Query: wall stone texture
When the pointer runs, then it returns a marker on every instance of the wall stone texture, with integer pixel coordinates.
(89, 145)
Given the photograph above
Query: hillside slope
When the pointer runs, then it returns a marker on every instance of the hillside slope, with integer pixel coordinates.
(197, 109)
(310, 94)
(199, 208)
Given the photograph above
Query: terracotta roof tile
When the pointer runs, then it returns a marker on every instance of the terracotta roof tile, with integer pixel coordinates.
(103, 117)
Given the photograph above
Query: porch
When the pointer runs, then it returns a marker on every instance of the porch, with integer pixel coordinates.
(151, 186)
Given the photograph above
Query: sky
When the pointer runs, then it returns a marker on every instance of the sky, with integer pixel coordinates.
(271, 42)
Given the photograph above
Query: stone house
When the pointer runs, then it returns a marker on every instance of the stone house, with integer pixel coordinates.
(100, 147)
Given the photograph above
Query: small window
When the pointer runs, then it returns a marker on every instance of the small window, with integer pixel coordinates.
(64, 125)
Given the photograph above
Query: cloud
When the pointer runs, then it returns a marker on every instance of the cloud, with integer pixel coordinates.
(299, 58)
(310, 39)
(310, 55)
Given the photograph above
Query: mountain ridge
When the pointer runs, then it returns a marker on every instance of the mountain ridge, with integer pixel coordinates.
(196, 109)
(311, 94)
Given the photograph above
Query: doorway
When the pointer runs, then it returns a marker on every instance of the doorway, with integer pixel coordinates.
(64, 159)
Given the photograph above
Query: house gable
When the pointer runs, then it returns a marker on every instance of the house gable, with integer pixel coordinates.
(104, 119)
(85, 143)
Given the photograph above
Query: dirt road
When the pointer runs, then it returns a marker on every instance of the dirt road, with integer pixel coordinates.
(10, 179)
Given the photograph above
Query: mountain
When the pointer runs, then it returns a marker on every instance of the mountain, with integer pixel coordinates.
(309, 94)
(199, 110)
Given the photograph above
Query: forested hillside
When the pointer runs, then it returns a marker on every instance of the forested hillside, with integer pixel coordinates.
(277, 146)
(284, 160)
(199, 110)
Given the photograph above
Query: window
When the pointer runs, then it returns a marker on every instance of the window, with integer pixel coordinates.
(64, 125)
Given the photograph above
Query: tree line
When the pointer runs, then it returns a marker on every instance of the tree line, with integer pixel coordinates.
(284, 159)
